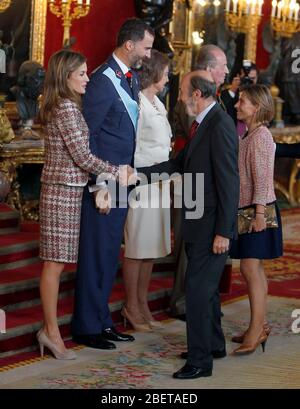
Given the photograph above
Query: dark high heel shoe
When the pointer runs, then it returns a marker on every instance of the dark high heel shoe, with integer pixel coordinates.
(238, 339)
(245, 349)
(135, 325)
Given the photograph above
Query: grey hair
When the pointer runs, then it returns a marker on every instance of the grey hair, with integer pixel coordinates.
(207, 88)
(206, 57)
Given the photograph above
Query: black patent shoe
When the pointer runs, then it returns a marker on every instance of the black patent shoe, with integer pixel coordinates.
(181, 317)
(192, 372)
(93, 341)
(111, 334)
(217, 354)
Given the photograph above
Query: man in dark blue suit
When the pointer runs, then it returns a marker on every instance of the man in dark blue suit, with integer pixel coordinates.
(111, 112)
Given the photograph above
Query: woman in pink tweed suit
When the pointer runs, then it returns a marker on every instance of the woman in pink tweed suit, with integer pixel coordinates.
(256, 167)
(68, 162)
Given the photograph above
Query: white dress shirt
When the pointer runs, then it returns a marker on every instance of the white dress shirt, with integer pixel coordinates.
(200, 117)
(120, 63)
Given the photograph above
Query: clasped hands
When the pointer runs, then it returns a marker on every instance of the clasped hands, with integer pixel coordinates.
(127, 176)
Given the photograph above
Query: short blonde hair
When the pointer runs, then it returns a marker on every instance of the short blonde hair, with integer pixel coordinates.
(260, 96)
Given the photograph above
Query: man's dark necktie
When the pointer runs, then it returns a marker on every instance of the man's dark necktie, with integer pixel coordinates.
(193, 130)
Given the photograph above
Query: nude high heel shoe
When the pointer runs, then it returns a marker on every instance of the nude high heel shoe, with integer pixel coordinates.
(245, 349)
(238, 339)
(44, 341)
(137, 327)
(154, 324)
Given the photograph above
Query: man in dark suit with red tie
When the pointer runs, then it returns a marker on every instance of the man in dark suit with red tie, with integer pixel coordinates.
(212, 59)
(213, 152)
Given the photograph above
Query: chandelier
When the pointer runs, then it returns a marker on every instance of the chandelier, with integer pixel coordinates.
(204, 3)
(285, 17)
(244, 16)
(199, 17)
(241, 14)
(4, 4)
(69, 10)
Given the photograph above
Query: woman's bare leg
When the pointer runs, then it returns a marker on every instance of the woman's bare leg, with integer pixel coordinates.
(252, 270)
(49, 287)
(143, 288)
(131, 273)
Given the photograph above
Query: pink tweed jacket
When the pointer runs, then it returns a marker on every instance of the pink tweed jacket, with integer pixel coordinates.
(256, 166)
(68, 159)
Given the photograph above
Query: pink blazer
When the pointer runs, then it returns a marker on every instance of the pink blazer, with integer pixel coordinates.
(256, 167)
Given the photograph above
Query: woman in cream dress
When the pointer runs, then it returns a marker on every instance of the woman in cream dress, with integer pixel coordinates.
(147, 229)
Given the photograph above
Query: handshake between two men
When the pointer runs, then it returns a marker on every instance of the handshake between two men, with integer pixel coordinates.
(103, 199)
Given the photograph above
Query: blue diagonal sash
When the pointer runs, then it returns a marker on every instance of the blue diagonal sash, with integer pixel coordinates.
(130, 104)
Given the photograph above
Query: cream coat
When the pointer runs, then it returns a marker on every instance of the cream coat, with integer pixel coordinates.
(147, 230)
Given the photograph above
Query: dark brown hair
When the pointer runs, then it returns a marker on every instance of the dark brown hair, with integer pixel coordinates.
(260, 96)
(152, 69)
(61, 65)
(133, 29)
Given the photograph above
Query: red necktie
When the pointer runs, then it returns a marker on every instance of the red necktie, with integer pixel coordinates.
(193, 129)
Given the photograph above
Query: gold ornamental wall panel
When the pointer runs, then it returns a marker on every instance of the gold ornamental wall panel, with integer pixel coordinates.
(38, 30)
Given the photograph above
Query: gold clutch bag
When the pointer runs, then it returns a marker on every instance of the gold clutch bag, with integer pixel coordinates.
(246, 215)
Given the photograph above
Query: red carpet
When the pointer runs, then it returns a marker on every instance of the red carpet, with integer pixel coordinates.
(4, 224)
(19, 293)
(9, 219)
(291, 230)
(5, 208)
(20, 269)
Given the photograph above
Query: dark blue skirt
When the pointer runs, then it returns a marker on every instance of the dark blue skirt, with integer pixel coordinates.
(263, 245)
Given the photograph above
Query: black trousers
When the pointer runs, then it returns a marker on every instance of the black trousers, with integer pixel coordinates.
(203, 307)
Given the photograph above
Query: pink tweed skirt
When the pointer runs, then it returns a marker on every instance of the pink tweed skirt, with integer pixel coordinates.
(60, 210)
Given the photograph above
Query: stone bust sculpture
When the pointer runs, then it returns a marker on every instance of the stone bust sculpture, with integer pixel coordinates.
(29, 86)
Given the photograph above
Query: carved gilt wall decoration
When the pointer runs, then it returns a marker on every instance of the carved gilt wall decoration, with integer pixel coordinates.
(4, 4)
